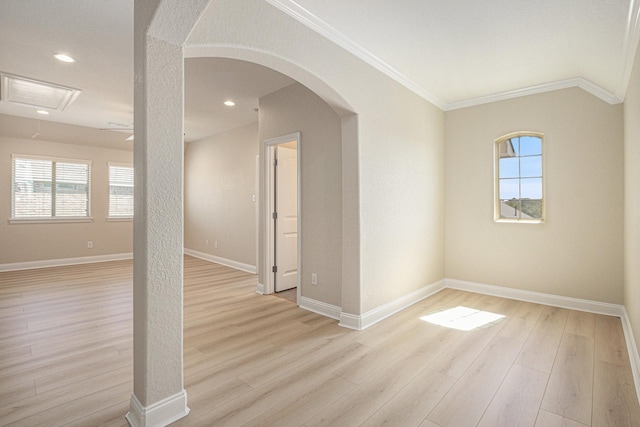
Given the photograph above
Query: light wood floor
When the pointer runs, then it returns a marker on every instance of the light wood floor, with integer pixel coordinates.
(66, 351)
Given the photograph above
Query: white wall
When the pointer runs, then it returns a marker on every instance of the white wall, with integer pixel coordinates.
(220, 182)
(632, 199)
(297, 109)
(25, 243)
(577, 252)
(400, 179)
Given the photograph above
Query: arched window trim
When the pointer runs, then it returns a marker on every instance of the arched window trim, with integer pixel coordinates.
(519, 218)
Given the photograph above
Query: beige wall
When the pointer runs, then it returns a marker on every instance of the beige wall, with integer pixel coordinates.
(578, 251)
(402, 195)
(220, 182)
(632, 199)
(39, 242)
(297, 109)
(395, 225)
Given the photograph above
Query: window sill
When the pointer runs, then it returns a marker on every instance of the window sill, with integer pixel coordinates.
(119, 219)
(49, 220)
(519, 221)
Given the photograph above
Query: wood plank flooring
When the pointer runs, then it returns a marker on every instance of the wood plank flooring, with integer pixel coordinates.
(252, 360)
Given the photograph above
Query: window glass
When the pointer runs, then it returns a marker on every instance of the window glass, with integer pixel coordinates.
(50, 188)
(120, 191)
(72, 189)
(531, 166)
(519, 178)
(509, 168)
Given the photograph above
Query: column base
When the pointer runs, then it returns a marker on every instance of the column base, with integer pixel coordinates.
(159, 414)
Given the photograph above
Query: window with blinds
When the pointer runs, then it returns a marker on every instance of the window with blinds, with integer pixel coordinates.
(120, 191)
(49, 188)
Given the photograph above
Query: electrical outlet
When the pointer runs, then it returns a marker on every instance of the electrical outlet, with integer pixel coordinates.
(206, 243)
(89, 244)
(314, 278)
(215, 244)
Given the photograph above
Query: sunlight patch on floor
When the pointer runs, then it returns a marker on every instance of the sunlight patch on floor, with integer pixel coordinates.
(462, 318)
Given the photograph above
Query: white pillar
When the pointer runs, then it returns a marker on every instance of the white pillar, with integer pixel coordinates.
(158, 390)
(161, 28)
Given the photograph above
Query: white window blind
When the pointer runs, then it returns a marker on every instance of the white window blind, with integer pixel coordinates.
(120, 191)
(50, 188)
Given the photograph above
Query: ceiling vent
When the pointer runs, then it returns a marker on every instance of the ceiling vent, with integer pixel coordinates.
(36, 94)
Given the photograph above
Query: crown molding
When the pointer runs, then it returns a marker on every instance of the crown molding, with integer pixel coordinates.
(307, 18)
(316, 24)
(584, 84)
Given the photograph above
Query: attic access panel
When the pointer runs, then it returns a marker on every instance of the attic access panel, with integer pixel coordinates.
(36, 94)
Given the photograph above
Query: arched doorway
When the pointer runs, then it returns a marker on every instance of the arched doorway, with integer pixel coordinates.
(161, 30)
(348, 162)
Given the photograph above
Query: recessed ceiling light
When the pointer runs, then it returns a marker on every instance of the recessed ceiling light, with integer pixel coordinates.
(63, 57)
(43, 112)
(229, 103)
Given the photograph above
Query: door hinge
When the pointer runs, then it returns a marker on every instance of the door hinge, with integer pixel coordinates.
(275, 162)
(274, 269)
(275, 215)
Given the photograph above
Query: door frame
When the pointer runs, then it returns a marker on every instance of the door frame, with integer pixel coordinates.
(268, 202)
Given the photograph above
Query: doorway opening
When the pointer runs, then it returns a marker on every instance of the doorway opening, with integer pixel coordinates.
(282, 215)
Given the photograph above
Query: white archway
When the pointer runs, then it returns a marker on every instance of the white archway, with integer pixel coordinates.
(161, 30)
(350, 159)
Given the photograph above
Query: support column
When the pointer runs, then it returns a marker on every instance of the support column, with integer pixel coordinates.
(158, 396)
(160, 30)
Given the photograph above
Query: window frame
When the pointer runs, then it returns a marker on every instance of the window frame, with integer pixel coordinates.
(496, 168)
(118, 217)
(51, 218)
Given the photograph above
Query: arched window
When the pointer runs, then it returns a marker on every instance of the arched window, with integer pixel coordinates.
(519, 183)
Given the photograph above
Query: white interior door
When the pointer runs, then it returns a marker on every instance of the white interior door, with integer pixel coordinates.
(286, 224)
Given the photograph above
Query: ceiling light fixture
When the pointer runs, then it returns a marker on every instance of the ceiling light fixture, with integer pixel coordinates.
(229, 103)
(43, 112)
(63, 57)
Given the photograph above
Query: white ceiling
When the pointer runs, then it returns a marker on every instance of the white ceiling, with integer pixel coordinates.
(211, 81)
(454, 53)
(463, 52)
(99, 35)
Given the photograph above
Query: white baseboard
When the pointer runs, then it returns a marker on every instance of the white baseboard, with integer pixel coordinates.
(632, 349)
(223, 261)
(371, 317)
(159, 414)
(563, 302)
(260, 288)
(29, 265)
(538, 297)
(328, 310)
(351, 321)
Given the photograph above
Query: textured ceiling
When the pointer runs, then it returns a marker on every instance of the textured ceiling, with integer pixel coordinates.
(453, 53)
